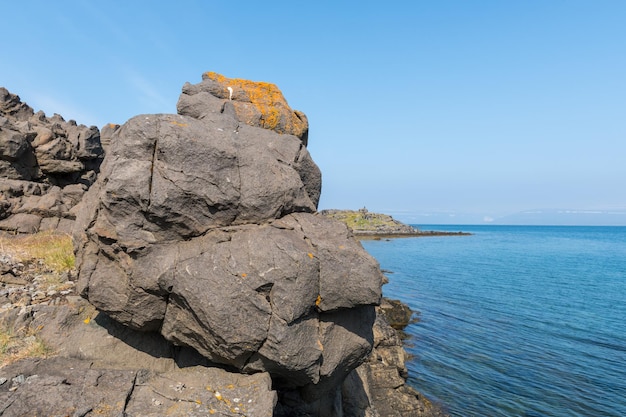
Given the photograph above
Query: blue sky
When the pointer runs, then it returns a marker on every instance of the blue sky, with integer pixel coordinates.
(432, 111)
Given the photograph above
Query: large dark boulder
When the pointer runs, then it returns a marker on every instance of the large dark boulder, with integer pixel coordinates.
(205, 230)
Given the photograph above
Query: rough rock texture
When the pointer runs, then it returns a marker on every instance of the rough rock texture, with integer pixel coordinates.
(252, 103)
(46, 165)
(214, 286)
(65, 387)
(379, 384)
(204, 229)
(98, 367)
(396, 313)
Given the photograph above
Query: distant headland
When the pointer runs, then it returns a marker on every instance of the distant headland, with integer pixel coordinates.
(366, 225)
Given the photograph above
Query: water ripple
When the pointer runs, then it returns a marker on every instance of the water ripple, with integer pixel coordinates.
(516, 321)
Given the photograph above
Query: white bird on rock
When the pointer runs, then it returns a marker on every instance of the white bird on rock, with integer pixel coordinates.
(230, 91)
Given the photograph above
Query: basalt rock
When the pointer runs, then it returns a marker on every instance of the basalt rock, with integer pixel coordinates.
(96, 366)
(252, 103)
(202, 227)
(378, 387)
(46, 164)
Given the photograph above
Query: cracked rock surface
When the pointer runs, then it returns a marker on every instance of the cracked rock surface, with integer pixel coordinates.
(214, 287)
(99, 367)
(203, 228)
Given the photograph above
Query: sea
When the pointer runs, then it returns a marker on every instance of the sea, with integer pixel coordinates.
(514, 320)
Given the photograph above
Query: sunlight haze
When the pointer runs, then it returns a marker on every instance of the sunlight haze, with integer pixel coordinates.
(435, 112)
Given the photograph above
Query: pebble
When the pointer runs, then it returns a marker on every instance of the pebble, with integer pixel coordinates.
(18, 379)
(29, 288)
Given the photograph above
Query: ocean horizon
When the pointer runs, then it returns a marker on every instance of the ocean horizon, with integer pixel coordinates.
(514, 320)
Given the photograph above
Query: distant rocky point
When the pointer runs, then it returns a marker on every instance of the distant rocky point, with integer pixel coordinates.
(366, 225)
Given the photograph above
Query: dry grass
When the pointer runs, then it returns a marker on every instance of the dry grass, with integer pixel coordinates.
(53, 251)
(50, 254)
(20, 344)
(357, 220)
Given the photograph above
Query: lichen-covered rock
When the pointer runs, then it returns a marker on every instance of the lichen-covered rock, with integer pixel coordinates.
(204, 229)
(39, 158)
(253, 103)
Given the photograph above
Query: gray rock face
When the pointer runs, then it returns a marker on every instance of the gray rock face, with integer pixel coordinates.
(379, 384)
(201, 243)
(46, 164)
(102, 368)
(62, 386)
(204, 229)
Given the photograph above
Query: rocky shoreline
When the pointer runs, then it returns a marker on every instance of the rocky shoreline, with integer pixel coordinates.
(367, 225)
(199, 278)
(77, 346)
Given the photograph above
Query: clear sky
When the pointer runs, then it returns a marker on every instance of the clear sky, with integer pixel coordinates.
(464, 111)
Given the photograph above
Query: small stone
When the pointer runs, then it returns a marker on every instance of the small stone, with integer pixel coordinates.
(31, 378)
(18, 379)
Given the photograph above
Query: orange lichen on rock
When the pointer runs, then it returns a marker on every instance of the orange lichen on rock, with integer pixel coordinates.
(269, 108)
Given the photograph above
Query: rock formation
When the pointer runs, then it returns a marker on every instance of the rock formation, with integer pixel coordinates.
(253, 103)
(367, 225)
(46, 165)
(213, 284)
(364, 223)
(204, 229)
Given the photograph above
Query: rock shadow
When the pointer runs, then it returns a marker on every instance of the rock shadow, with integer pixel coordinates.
(153, 344)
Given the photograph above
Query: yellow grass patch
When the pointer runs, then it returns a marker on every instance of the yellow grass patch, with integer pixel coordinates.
(20, 344)
(53, 251)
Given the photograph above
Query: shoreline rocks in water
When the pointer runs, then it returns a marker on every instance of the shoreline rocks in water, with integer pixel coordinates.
(209, 283)
(366, 225)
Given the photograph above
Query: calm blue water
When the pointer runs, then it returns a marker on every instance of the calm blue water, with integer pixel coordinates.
(515, 320)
